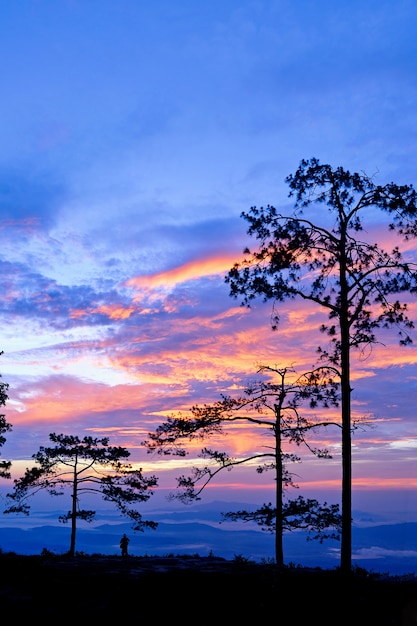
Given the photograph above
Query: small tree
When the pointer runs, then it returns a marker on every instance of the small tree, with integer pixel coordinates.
(319, 257)
(4, 428)
(85, 466)
(273, 407)
(300, 514)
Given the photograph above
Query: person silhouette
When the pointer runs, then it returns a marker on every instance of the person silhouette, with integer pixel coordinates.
(124, 542)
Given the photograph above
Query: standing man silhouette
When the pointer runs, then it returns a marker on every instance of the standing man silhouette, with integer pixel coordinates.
(124, 542)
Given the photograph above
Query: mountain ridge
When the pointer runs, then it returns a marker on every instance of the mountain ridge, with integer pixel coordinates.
(384, 548)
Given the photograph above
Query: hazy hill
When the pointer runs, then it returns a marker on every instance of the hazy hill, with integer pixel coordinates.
(384, 548)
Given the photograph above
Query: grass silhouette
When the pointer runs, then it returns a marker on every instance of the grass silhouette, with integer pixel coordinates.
(203, 590)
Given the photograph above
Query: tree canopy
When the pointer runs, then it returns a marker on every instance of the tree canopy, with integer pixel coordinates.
(84, 466)
(328, 259)
(4, 428)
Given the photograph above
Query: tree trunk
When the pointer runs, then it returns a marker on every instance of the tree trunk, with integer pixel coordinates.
(279, 531)
(74, 512)
(346, 539)
(346, 544)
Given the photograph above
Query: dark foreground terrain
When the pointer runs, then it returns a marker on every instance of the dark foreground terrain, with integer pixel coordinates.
(197, 590)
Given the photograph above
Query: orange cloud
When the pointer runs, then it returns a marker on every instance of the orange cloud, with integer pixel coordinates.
(363, 483)
(63, 398)
(113, 312)
(193, 270)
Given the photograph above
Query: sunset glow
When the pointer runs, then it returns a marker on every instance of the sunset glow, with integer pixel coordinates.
(129, 150)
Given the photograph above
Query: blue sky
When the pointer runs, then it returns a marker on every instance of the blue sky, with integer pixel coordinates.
(133, 135)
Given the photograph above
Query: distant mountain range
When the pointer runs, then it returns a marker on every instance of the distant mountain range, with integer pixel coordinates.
(383, 548)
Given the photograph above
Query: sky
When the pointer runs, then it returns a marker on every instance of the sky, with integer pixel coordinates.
(133, 134)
